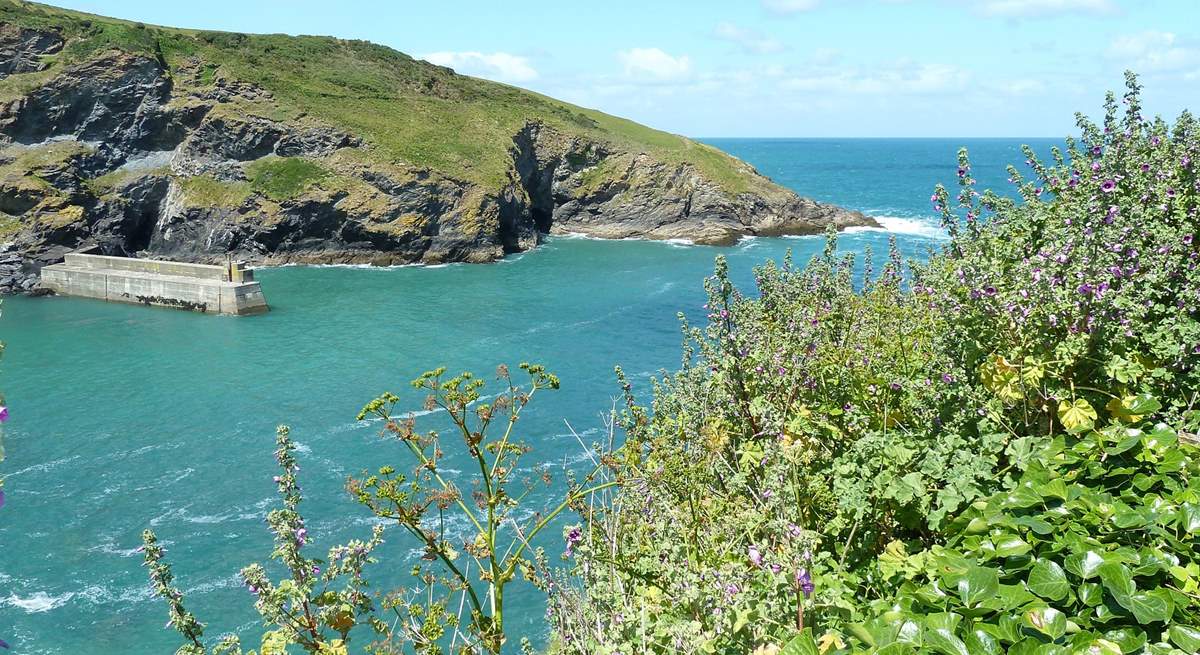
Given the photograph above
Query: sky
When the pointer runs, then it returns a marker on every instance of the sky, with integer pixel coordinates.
(771, 68)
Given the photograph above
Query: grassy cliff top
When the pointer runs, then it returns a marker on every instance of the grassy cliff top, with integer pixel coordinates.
(408, 110)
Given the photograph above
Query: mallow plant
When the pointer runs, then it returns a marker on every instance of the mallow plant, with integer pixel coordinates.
(906, 461)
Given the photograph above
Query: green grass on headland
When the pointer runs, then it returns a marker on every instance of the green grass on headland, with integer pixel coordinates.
(407, 110)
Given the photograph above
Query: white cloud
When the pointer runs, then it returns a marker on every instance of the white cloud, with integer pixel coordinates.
(903, 78)
(749, 40)
(1035, 8)
(1151, 51)
(654, 63)
(500, 66)
(790, 6)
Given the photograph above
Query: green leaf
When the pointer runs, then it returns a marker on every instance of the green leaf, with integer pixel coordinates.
(1101, 647)
(1129, 639)
(979, 584)
(1085, 564)
(1116, 579)
(1010, 545)
(1076, 416)
(896, 648)
(979, 642)
(1186, 637)
(1189, 517)
(939, 635)
(1047, 621)
(1147, 607)
(1090, 593)
(801, 644)
(1048, 580)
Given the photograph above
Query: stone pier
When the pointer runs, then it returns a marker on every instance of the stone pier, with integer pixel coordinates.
(228, 289)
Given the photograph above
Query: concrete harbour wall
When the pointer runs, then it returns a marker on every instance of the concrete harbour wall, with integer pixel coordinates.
(229, 289)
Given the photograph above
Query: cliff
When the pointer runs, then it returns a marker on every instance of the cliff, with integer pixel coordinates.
(191, 145)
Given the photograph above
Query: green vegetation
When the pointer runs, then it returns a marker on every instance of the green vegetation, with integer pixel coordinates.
(410, 111)
(991, 452)
(988, 453)
(204, 191)
(283, 178)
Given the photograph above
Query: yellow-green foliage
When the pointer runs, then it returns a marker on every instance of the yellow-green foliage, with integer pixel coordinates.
(283, 178)
(204, 191)
(107, 183)
(9, 225)
(409, 110)
(413, 224)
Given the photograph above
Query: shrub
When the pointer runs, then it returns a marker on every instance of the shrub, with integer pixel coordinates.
(819, 433)
(1095, 550)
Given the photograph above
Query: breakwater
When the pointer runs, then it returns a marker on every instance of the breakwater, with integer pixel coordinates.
(227, 289)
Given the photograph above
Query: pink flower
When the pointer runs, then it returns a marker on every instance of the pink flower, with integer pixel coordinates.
(755, 556)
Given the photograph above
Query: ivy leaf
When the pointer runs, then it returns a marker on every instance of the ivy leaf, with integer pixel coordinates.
(1116, 579)
(1048, 580)
(1010, 545)
(978, 641)
(1076, 416)
(1084, 565)
(1047, 621)
(1090, 593)
(801, 644)
(1102, 647)
(939, 634)
(1148, 607)
(979, 584)
(1189, 517)
(1186, 637)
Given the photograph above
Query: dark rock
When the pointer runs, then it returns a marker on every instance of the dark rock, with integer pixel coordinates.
(22, 49)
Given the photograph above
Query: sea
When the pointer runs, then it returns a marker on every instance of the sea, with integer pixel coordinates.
(124, 418)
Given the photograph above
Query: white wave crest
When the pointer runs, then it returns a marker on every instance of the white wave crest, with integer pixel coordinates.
(899, 225)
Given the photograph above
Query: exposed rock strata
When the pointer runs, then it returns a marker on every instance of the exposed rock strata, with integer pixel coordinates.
(115, 151)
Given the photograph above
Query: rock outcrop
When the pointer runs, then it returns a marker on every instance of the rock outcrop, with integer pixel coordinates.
(118, 150)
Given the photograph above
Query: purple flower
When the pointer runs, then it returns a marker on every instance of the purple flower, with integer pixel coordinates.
(989, 291)
(1108, 186)
(3, 413)
(755, 556)
(804, 580)
(316, 570)
(947, 378)
(731, 590)
(1, 498)
(574, 536)
(1096, 150)
(302, 536)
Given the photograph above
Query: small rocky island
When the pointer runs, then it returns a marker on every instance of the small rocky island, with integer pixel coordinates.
(156, 142)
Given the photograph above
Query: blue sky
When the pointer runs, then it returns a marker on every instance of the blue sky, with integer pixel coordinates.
(772, 68)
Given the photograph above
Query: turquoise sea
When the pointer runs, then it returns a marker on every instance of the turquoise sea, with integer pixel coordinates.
(125, 417)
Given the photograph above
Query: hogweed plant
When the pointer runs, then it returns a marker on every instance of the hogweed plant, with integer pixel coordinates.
(478, 568)
(314, 606)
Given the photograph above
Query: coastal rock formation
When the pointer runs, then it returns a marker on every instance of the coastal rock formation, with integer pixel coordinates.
(140, 156)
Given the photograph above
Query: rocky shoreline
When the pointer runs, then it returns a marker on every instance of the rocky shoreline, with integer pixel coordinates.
(122, 152)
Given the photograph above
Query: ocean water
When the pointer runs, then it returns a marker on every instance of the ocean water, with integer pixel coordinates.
(125, 417)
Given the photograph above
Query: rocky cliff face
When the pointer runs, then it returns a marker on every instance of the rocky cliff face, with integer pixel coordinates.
(120, 152)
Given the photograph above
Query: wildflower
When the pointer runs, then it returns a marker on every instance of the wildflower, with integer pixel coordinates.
(316, 570)
(804, 581)
(1096, 150)
(731, 590)
(1108, 186)
(2, 502)
(574, 536)
(302, 536)
(3, 413)
(755, 556)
